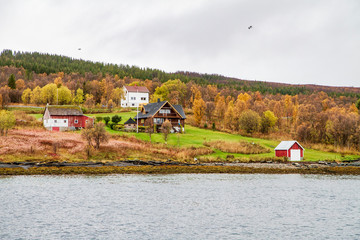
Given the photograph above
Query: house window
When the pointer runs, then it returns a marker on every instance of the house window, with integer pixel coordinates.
(158, 120)
(143, 98)
(55, 121)
(86, 121)
(133, 98)
(76, 121)
(64, 121)
(164, 111)
(133, 104)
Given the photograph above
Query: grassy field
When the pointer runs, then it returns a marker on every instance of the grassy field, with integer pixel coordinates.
(195, 137)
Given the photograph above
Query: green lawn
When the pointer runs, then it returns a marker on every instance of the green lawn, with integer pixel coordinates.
(124, 115)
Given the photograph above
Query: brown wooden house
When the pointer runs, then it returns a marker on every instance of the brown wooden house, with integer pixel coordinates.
(155, 114)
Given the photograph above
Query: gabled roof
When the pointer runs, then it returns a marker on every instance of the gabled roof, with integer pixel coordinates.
(64, 110)
(286, 145)
(180, 110)
(130, 121)
(152, 108)
(136, 89)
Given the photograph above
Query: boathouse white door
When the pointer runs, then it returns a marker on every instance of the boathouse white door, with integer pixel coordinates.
(295, 155)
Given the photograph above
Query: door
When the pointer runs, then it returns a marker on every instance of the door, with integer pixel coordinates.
(295, 155)
(56, 128)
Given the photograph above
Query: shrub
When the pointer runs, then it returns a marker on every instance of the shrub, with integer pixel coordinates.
(116, 119)
(99, 119)
(107, 120)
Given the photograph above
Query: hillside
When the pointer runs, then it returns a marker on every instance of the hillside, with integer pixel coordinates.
(40, 63)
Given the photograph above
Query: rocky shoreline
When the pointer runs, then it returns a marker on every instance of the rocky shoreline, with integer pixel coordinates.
(158, 167)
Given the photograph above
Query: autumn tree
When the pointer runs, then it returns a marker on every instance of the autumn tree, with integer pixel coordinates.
(63, 95)
(117, 95)
(165, 129)
(249, 121)
(99, 134)
(199, 108)
(209, 111)
(26, 96)
(89, 101)
(95, 135)
(35, 97)
(49, 93)
(268, 120)
(220, 109)
(229, 120)
(5, 96)
(79, 97)
(20, 84)
(7, 121)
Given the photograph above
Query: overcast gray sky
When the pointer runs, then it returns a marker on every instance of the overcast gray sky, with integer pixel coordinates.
(292, 41)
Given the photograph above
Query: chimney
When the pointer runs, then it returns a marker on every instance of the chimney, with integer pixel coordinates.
(158, 99)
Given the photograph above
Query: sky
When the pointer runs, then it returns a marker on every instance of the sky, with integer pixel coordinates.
(291, 41)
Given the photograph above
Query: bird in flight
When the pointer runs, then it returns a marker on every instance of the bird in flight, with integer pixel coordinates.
(250, 27)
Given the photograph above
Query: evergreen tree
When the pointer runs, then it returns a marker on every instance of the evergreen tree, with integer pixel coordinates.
(11, 82)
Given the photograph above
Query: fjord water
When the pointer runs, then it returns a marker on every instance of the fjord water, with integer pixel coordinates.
(183, 206)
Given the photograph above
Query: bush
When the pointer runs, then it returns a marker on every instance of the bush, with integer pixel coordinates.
(205, 125)
(99, 119)
(116, 119)
(107, 120)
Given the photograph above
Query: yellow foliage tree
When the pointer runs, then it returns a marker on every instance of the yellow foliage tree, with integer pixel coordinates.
(26, 96)
(199, 108)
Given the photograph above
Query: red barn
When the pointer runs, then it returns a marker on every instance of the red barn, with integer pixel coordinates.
(290, 149)
(64, 118)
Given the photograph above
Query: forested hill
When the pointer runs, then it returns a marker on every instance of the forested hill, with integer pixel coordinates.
(49, 63)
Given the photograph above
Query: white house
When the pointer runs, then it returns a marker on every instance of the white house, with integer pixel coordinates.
(134, 96)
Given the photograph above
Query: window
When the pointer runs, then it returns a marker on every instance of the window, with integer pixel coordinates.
(55, 121)
(133, 98)
(143, 99)
(86, 121)
(76, 121)
(133, 104)
(164, 111)
(65, 121)
(158, 120)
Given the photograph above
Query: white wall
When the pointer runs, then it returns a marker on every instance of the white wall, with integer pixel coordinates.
(56, 122)
(133, 99)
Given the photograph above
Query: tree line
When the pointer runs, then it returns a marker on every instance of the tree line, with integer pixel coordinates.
(40, 63)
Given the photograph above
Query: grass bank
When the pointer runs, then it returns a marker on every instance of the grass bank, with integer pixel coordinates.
(174, 170)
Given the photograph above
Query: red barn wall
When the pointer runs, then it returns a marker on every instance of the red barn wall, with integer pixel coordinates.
(296, 146)
(281, 153)
(71, 120)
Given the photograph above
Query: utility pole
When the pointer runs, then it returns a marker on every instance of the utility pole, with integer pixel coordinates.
(137, 112)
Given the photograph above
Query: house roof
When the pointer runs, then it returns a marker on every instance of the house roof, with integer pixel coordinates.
(130, 121)
(64, 110)
(152, 108)
(180, 110)
(136, 89)
(285, 145)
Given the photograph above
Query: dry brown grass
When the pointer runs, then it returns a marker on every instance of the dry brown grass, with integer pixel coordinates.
(332, 148)
(237, 147)
(68, 146)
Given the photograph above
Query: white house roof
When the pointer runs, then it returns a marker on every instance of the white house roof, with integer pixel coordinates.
(285, 145)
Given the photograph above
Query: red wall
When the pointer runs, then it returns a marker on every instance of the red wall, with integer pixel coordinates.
(280, 153)
(71, 120)
(296, 146)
